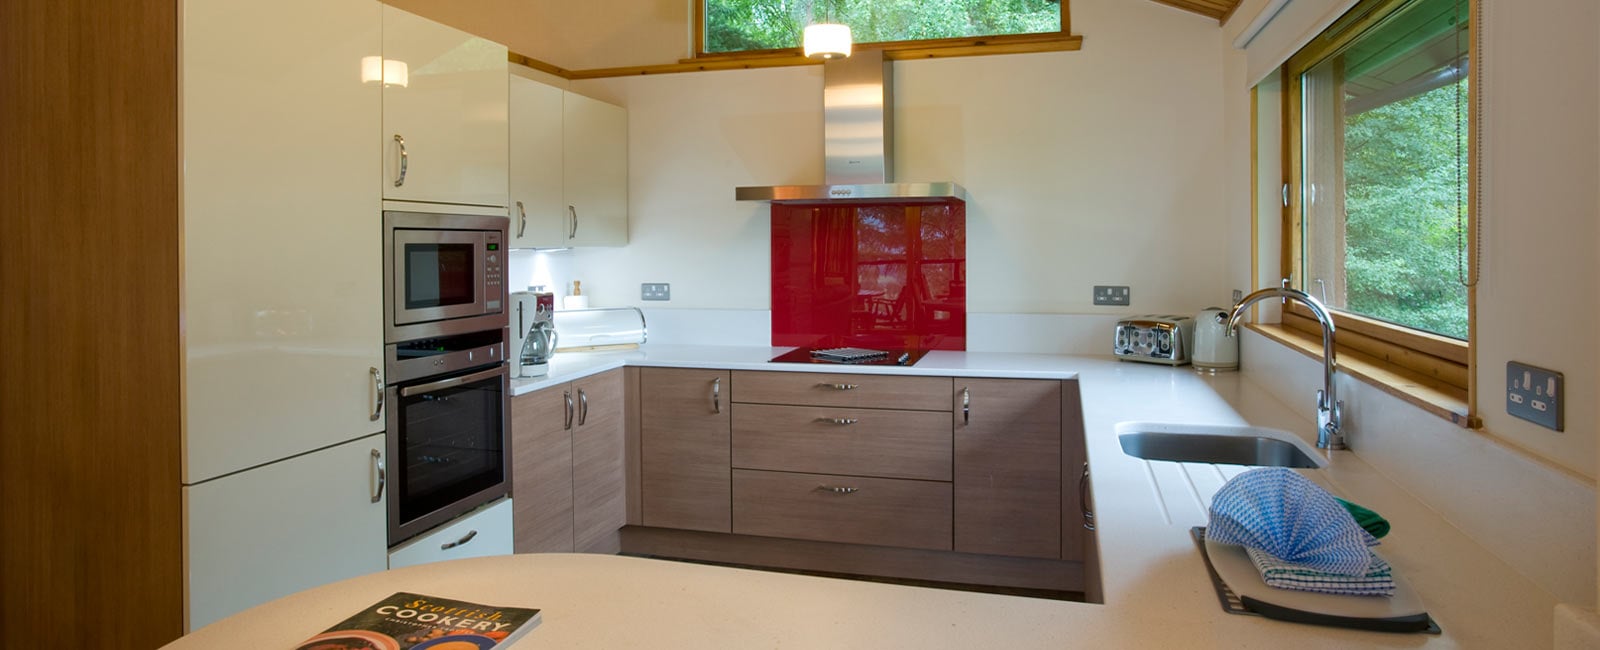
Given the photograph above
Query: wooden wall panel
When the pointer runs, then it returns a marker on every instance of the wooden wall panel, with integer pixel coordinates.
(90, 390)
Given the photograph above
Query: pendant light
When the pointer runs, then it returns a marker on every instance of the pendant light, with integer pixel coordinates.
(827, 40)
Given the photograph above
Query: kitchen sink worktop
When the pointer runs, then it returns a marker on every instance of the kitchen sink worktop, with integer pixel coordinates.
(1154, 582)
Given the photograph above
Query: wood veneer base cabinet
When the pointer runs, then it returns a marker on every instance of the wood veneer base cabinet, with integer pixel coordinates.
(1008, 467)
(684, 418)
(981, 495)
(568, 466)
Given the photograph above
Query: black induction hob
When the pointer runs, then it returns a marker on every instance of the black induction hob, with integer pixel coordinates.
(889, 357)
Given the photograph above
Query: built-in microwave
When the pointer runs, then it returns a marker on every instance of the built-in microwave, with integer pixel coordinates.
(444, 274)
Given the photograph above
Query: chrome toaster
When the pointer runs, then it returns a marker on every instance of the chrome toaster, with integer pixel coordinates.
(1163, 339)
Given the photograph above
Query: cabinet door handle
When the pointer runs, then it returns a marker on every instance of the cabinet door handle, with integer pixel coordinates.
(377, 393)
(1083, 499)
(567, 395)
(966, 405)
(839, 386)
(522, 222)
(583, 407)
(378, 470)
(839, 421)
(838, 489)
(401, 179)
(464, 539)
(716, 395)
(573, 233)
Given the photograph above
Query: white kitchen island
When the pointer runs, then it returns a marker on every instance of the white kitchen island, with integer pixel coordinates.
(1155, 586)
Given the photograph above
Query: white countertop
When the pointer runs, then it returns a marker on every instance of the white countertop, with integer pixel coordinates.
(1157, 592)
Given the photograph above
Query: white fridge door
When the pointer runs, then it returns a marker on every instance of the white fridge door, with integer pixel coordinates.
(284, 527)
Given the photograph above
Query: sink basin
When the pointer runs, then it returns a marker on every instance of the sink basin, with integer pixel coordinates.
(1221, 445)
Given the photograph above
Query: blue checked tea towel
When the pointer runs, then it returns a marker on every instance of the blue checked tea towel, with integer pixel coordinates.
(1275, 510)
(1378, 581)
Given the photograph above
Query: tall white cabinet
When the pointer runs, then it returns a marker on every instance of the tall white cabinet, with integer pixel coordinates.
(569, 168)
(444, 123)
(284, 183)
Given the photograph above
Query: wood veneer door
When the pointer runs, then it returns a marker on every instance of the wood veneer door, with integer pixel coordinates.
(541, 472)
(685, 421)
(599, 464)
(1008, 467)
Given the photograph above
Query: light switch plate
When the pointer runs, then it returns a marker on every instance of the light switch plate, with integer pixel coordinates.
(655, 291)
(1536, 394)
(1111, 295)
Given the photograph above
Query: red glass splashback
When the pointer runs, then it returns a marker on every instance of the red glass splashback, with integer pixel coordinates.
(870, 275)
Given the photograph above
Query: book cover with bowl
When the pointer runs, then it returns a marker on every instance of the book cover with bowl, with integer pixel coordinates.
(408, 621)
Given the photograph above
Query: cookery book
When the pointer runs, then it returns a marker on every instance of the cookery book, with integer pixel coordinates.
(416, 622)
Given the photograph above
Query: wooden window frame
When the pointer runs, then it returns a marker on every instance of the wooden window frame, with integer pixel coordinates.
(902, 50)
(1431, 371)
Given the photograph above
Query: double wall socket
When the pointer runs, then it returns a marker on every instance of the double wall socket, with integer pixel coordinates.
(1536, 395)
(1111, 294)
(655, 291)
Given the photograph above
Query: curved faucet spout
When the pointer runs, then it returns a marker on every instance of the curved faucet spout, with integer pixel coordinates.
(1329, 408)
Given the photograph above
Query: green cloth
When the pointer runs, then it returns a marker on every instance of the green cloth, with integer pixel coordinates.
(1371, 521)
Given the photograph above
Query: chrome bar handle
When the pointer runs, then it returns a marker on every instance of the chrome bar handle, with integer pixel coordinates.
(839, 421)
(966, 405)
(583, 407)
(377, 393)
(464, 539)
(838, 489)
(408, 391)
(567, 395)
(839, 386)
(522, 221)
(380, 471)
(401, 179)
(1083, 499)
(716, 395)
(573, 233)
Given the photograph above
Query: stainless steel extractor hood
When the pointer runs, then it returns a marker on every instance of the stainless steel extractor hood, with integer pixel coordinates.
(858, 141)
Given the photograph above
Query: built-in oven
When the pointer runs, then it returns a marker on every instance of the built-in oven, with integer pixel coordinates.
(447, 424)
(444, 274)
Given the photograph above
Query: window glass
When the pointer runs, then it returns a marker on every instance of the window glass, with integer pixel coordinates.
(744, 25)
(1384, 186)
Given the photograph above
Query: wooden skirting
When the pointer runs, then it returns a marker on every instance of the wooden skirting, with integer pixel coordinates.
(880, 561)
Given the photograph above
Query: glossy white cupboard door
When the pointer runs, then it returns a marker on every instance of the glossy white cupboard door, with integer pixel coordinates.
(281, 241)
(481, 533)
(450, 113)
(537, 210)
(282, 528)
(595, 179)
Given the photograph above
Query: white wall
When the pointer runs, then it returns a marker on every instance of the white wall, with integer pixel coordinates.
(1103, 166)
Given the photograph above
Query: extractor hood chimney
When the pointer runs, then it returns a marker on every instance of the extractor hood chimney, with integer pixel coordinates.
(858, 141)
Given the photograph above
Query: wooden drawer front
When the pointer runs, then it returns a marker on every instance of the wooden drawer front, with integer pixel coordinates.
(838, 389)
(880, 511)
(831, 440)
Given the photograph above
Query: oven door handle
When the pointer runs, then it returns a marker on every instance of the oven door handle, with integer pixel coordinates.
(408, 391)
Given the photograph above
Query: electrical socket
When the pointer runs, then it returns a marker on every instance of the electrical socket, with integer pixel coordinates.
(1536, 395)
(1112, 295)
(655, 291)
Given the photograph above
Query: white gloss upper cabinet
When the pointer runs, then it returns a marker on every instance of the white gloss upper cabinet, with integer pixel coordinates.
(595, 171)
(281, 245)
(538, 213)
(444, 119)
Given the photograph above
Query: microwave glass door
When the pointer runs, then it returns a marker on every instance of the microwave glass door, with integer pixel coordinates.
(451, 442)
(438, 275)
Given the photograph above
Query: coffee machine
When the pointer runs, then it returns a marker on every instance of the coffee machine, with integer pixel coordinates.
(533, 331)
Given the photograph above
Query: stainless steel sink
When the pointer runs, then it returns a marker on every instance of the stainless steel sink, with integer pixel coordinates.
(1222, 445)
